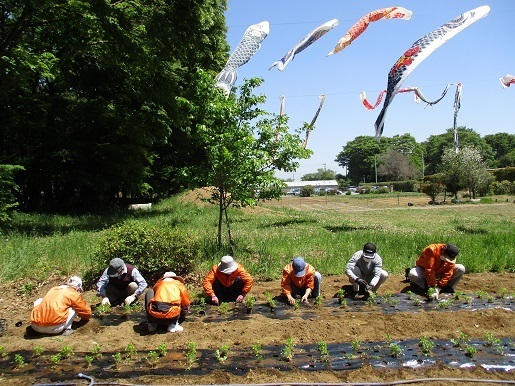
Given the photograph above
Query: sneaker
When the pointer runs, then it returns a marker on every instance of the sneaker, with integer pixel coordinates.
(175, 328)
(152, 327)
(68, 331)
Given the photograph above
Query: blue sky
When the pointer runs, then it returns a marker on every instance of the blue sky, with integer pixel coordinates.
(477, 57)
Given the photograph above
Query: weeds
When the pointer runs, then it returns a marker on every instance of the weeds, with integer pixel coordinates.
(287, 353)
(191, 355)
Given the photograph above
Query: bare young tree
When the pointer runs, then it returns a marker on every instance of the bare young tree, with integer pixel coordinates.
(396, 166)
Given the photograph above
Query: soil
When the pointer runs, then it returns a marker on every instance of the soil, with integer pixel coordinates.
(211, 331)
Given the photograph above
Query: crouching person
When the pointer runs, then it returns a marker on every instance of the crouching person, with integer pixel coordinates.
(55, 312)
(300, 279)
(365, 270)
(167, 302)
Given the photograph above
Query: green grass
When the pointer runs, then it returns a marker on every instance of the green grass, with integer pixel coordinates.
(268, 236)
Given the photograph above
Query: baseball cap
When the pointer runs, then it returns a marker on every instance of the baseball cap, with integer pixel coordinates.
(299, 266)
(115, 266)
(451, 251)
(369, 251)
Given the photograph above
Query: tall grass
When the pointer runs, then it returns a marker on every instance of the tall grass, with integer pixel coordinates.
(270, 235)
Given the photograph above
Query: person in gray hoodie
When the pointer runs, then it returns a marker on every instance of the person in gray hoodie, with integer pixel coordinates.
(365, 270)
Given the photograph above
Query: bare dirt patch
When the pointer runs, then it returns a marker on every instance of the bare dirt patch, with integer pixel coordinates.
(240, 334)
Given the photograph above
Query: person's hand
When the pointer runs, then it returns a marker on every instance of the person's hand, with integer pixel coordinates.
(129, 300)
(214, 300)
(105, 301)
(434, 294)
(362, 282)
(291, 299)
(239, 299)
(305, 298)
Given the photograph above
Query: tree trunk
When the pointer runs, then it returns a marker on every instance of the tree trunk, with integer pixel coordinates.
(231, 242)
(220, 217)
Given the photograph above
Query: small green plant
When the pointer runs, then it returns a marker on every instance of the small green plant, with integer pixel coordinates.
(491, 340)
(394, 302)
(96, 351)
(482, 294)
(446, 303)
(416, 301)
(256, 350)
(387, 296)
(130, 351)
(324, 352)
(396, 350)
(66, 352)
(89, 360)
(296, 305)
(152, 358)
(191, 355)
(469, 300)
(55, 359)
(202, 301)
(249, 302)
(103, 309)
(19, 361)
(37, 351)
(117, 358)
(222, 353)
(426, 345)
(287, 353)
(503, 293)
(224, 308)
(340, 294)
(470, 350)
(2, 352)
(161, 349)
(462, 338)
(27, 288)
(343, 303)
(430, 292)
(458, 295)
(490, 299)
(388, 338)
(318, 300)
(410, 295)
(355, 344)
(272, 303)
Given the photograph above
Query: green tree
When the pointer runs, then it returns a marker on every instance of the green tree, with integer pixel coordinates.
(358, 157)
(8, 188)
(320, 175)
(89, 94)
(503, 146)
(244, 146)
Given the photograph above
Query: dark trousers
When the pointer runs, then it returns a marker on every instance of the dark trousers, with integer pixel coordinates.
(228, 294)
(150, 319)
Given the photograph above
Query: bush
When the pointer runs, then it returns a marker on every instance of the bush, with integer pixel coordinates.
(405, 186)
(307, 191)
(503, 187)
(152, 250)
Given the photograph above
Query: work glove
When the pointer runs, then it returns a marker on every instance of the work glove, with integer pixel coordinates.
(105, 301)
(239, 299)
(129, 300)
(214, 300)
(362, 283)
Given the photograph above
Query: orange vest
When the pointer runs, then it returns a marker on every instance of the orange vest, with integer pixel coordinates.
(227, 280)
(289, 278)
(53, 310)
(430, 260)
(169, 296)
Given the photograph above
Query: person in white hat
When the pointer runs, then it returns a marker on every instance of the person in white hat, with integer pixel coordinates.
(54, 313)
(365, 270)
(120, 283)
(167, 302)
(227, 281)
(300, 279)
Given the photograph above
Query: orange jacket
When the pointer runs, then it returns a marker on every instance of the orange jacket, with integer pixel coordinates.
(53, 310)
(227, 280)
(289, 278)
(430, 260)
(169, 296)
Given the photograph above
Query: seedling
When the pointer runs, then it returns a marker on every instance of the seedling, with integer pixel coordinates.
(490, 299)
(287, 353)
(470, 350)
(117, 359)
(426, 345)
(445, 303)
(430, 292)
(271, 303)
(55, 359)
(161, 349)
(130, 351)
(249, 302)
(296, 305)
(394, 302)
(396, 350)
(343, 303)
(19, 361)
(96, 351)
(458, 295)
(37, 351)
(66, 352)
(104, 309)
(410, 295)
(416, 301)
(494, 342)
(503, 293)
(89, 360)
(355, 344)
(2, 352)
(482, 294)
(224, 308)
(324, 352)
(462, 338)
(152, 358)
(191, 355)
(256, 350)
(340, 294)
(469, 300)
(318, 301)
(222, 353)
(387, 296)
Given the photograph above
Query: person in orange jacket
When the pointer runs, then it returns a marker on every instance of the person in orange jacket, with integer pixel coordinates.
(54, 313)
(436, 268)
(227, 281)
(167, 302)
(300, 279)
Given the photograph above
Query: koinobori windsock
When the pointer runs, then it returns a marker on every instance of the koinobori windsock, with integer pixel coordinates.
(507, 80)
(420, 50)
(247, 47)
(362, 24)
(313, 36)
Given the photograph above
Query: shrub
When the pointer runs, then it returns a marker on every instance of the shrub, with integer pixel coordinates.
(307, 191)
(152, 250)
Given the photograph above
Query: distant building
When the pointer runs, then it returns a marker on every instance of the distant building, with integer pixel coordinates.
(324, 184)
